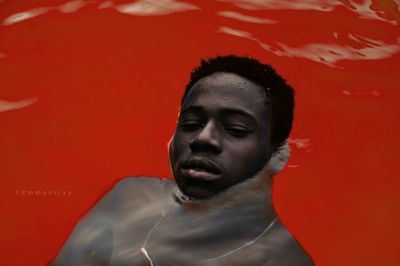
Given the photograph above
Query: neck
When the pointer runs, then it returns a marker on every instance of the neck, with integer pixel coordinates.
(254, 193)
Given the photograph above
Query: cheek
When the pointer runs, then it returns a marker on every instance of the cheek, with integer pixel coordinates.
(178, 145)
(248, 157)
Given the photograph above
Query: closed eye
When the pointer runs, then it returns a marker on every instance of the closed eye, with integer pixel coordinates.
(191, 125)
(237, 131)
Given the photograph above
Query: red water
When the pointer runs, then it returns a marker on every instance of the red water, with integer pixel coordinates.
(89, 93)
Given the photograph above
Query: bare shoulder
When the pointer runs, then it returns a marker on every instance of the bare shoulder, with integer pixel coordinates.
(90, 242)
(286, 249)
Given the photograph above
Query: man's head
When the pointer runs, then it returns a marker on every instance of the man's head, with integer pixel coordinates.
(235, 112)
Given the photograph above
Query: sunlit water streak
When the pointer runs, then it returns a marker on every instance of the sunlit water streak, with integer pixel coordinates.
(68, 7)
(246, 18)
(13, 105)
(155, 8)
(325, 53)
(387, 11)
(321, 52)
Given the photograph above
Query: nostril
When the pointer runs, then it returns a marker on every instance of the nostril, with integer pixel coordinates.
(205, 145)
(207, 139)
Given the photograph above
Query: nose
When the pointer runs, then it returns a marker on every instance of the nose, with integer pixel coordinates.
(207, 140)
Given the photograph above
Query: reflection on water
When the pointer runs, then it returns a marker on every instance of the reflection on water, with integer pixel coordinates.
(68, 7)
(246, 18)
(72, 6)
(138, 8)
(328, 53)
(284, 4)
(9, 105)
(325, 53)
(361, 93)
(105, 4)
(379, 10)
(21, 16)
(155, 7)
(300, 143)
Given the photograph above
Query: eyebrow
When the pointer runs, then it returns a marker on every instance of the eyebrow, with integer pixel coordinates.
(196, 109)
(224, 111)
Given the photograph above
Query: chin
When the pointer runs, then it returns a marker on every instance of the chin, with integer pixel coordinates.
(197, 188)
(198, 192)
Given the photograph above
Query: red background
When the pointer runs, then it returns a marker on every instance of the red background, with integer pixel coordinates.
(90, 94)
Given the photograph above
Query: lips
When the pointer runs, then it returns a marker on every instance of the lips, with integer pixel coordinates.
(200, 168)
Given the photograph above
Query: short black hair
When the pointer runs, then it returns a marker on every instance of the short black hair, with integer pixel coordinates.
(280, 93)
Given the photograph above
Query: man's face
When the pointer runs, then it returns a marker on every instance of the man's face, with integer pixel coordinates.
(222, 136)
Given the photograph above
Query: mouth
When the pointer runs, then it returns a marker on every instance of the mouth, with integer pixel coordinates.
(200, 169)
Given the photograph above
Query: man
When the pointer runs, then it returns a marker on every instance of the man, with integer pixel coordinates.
(235, 117)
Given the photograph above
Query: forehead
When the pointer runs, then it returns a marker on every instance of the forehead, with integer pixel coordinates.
(227, 91)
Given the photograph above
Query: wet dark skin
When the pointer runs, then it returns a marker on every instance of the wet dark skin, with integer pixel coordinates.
(222, 136)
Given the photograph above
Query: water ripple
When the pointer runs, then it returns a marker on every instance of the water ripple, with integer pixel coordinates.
(8, 105)
(378, 10)
(68, 7)
(246, 18)
(72, 6)
(155, 7)
(325, 53)
(21, 16)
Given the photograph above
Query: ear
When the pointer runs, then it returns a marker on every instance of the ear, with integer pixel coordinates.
(279, 158)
